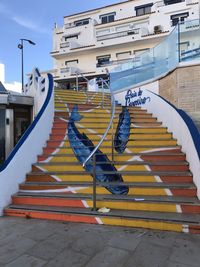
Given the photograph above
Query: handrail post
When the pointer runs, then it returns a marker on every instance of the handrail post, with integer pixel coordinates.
(76, 81)
(102, 88)
(94, 195)
(112, 136)
(179, 42)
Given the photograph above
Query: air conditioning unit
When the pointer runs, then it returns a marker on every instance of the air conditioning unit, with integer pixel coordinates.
(157, 29)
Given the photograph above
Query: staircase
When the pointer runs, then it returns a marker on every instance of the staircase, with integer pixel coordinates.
(161, 190)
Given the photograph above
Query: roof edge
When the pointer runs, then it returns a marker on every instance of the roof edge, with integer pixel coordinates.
(75, 14)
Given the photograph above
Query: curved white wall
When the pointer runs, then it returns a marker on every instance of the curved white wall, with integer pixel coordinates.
(26, 154)
(170, 118)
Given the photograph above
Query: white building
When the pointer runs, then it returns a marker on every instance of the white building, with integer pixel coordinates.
(93, 42)
(13, 86)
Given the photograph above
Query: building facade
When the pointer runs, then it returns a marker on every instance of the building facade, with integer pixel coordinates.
(91, 43)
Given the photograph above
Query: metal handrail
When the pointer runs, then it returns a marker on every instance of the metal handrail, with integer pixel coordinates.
(108, 128)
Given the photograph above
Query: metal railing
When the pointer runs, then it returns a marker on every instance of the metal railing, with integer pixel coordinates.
(101, 81)
(93, 153)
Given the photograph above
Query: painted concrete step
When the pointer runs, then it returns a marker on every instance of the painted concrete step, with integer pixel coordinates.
(135, 130)
(151, 220)
(131, 161)
(84, 177)
(130, 165)
(83, 110)
(120, 157)
(159, 189)
(82, 100)
(132, 141)
(137, 142)
(106, 116)
(61, 123)
(95, 137)
(81, 97)
(108, 149)
(146, 203)
(138, 184)
(79, 92)
(130, 173)
(164, 199)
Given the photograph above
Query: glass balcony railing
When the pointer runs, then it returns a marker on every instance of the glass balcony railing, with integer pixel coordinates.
(113, 62)
(149, 65)
(117, 35)
(190, 40)
(183, 44)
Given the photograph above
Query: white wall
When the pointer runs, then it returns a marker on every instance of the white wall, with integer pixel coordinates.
(15, 172)
(121, 97)
(175, 124)
(125, 15)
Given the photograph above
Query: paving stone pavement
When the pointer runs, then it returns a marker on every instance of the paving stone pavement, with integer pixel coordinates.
(36, 243)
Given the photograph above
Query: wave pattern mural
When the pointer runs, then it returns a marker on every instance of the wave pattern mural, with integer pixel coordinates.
(123, 131)
(83, 146)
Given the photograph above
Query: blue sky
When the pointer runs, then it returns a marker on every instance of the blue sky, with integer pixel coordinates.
(34, 20)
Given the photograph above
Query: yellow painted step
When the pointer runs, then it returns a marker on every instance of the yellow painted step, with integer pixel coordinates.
(72, 167)
(132, 191)
(164, 226)
(139, 206)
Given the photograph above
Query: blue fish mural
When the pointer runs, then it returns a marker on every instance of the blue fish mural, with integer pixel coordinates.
(82, 147)
(123, 131)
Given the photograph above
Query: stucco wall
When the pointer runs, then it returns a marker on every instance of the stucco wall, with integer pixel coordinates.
(182, 88)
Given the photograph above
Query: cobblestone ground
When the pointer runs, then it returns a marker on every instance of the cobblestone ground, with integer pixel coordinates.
(35, 243)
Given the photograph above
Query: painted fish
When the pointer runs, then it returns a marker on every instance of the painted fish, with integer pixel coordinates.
(123, 131)
(82, 147)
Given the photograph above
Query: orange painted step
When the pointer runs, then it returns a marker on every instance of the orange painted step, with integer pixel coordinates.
(79, 203)
(150, 220)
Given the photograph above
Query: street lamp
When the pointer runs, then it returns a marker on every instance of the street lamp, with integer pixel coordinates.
(21, 46)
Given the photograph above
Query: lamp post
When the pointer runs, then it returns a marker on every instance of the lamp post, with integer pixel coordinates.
(21, 46)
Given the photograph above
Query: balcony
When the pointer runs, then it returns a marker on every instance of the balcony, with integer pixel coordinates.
(117, 35)
(113, 62)
(78, 23)
(68, 71)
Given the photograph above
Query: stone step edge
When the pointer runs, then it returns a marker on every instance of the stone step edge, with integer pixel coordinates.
(132, 173)
(155, 216)
(140, 163)
(104, 184)
(129, 147)
(125, 154)
(115, 198)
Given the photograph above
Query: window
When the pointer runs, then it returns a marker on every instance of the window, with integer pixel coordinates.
(81, 22)
(71, 38)
(103, 60)
(107, 18)
(170, 2)
(71, 63)
(144, 9)
(179, 18)
(123, 55)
